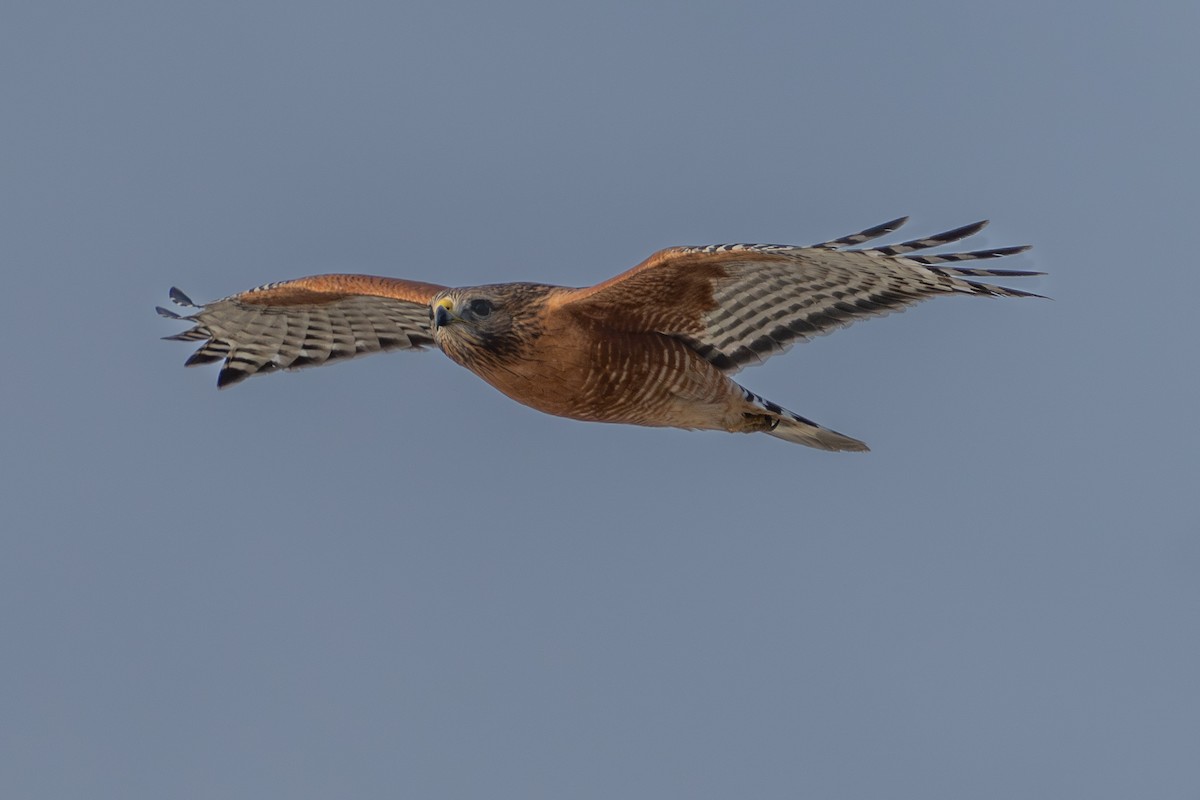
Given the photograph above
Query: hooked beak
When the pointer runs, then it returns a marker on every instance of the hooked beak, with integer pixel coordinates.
(443, 313)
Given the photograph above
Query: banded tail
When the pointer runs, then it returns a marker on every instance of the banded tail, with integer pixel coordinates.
(791, 427)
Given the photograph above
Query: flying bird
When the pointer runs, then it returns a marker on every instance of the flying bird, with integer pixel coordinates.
(655, 345)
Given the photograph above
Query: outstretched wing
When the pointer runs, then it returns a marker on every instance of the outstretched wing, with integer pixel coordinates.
(306, 322)
(739, 304)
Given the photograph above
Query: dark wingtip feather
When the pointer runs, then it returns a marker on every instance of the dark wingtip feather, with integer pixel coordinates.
(1020, 293)
(201, 357)
(886, 227)
(997, 252)
(864, 236)
(963, 231)
(228, 376)
(936, 240)
(950, 258)
(988, 273)
(166, 312)
(179, 298)
(1004, 291)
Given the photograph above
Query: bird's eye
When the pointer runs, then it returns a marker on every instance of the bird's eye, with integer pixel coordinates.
(481, 307)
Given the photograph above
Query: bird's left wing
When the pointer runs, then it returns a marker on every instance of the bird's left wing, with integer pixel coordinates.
(306, 322)
(739, 304)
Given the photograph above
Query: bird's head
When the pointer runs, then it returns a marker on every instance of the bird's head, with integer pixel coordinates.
(480, 321)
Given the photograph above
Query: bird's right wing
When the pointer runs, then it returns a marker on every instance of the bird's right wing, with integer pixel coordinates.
(739, 304)
(306, 322)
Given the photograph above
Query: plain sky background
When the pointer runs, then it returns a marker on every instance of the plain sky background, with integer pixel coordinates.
(384, 579)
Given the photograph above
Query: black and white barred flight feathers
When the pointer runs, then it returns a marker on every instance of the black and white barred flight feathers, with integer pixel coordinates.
(655, 345)
(305, 323)
(783, 294)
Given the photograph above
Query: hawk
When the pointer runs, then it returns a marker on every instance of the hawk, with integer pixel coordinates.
(656, 345)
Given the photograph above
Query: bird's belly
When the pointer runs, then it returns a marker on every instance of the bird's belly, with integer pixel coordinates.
(649, 380)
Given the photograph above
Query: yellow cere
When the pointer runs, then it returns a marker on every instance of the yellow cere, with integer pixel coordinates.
(446, 303)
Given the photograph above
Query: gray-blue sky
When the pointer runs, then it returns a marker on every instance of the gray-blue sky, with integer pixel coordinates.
(384, 578)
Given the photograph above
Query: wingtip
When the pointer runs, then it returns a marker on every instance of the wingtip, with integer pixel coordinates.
(230, 376)
(855, 239)
(890, 226)
(180, 299)
(201, 356)
(962, 231)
